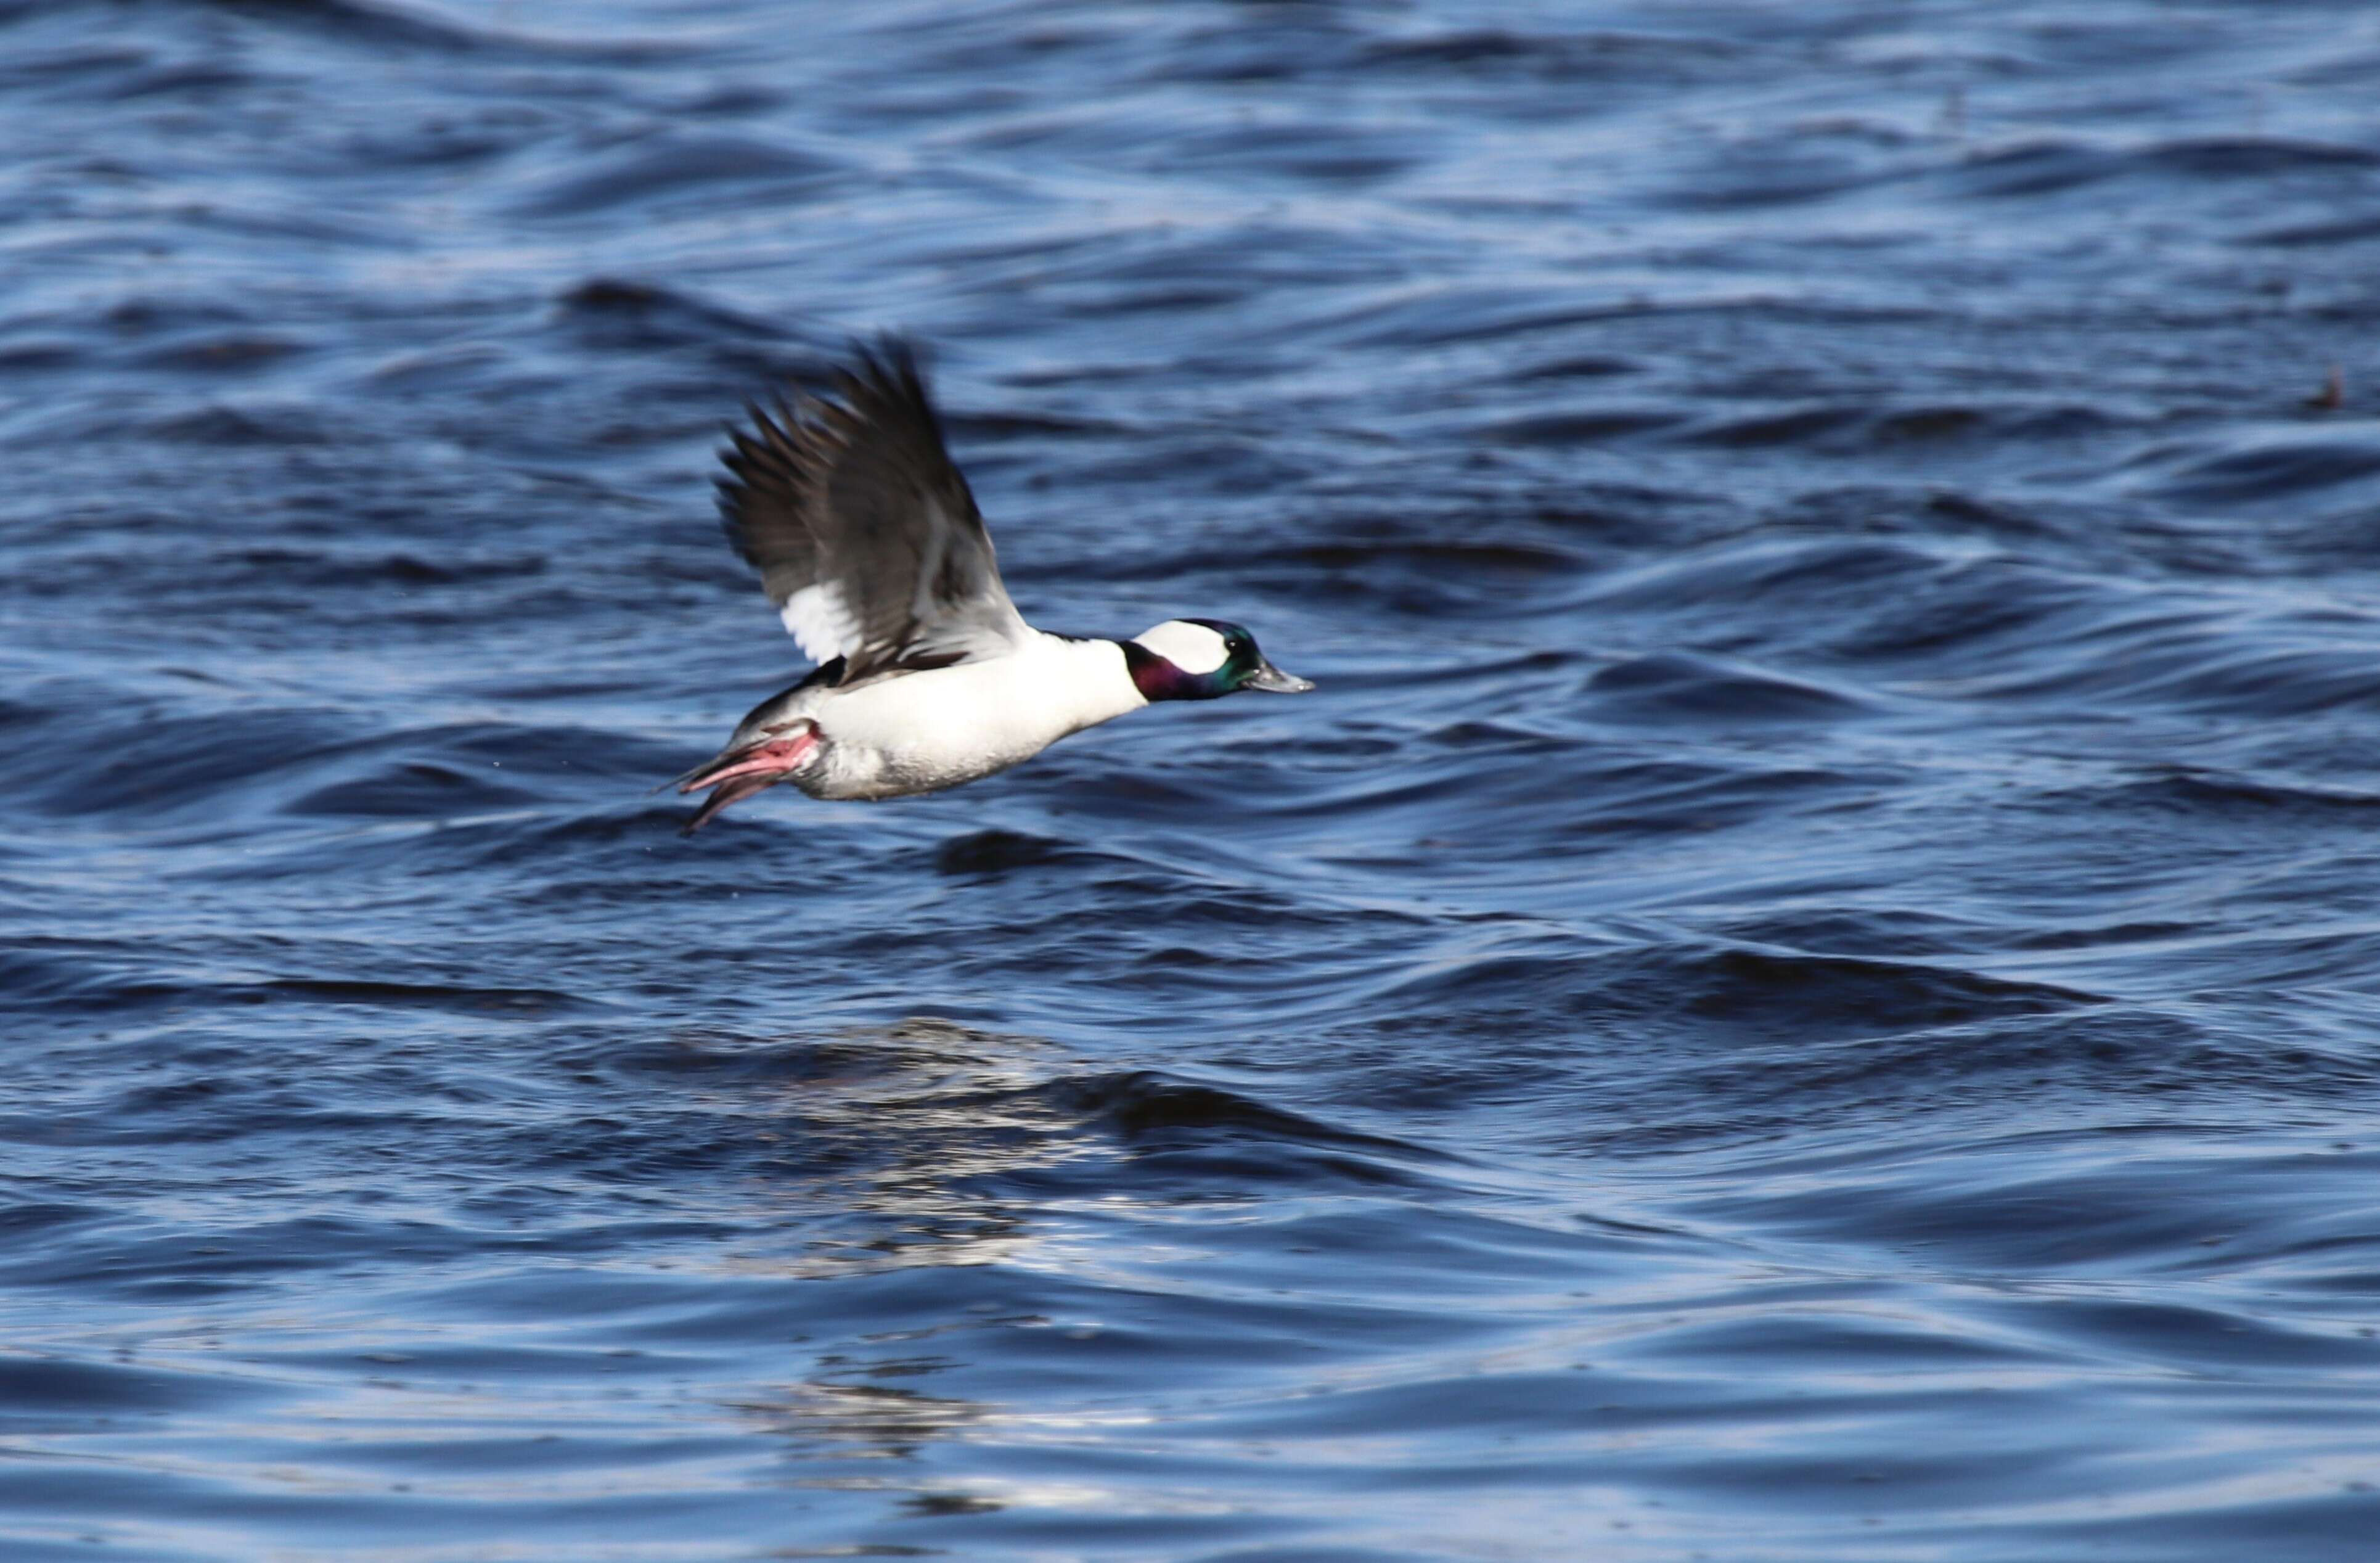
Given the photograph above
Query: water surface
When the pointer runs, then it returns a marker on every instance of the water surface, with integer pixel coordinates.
(1803, 990)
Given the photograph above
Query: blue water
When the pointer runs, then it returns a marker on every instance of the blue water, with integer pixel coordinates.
(1807, 988)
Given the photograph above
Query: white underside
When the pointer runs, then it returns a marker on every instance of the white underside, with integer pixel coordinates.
(918, 732)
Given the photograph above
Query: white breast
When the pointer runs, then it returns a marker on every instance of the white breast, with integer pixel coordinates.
(920, 731)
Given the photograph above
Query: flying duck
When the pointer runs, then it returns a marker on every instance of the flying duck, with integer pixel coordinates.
(871, 547)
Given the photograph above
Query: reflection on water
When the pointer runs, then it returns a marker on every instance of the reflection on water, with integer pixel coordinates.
(1801, 990)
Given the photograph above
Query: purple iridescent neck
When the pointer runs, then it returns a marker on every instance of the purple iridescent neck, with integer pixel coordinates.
(1156, 678)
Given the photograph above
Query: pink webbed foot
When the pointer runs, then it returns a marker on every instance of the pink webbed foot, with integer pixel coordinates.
(740, 772)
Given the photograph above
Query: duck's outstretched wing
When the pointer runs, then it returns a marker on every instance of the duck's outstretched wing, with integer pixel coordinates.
(863, 530)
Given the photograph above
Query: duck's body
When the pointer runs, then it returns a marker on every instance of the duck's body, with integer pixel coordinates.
(870, 545)
(903, 732)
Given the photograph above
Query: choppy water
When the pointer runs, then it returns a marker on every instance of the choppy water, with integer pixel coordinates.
(1808, 987)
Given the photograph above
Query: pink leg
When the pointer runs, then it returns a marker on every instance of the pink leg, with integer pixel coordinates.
(756, 768)
(773, 757)
(728, 792)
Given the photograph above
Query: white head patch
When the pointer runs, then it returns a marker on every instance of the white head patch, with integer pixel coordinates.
(1193, 648)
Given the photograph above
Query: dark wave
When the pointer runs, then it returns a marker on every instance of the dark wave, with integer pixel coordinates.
(1688, 689)
(686, 169)
(1803, 972)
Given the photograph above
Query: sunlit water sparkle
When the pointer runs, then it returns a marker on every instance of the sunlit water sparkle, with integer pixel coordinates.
(1803, 990)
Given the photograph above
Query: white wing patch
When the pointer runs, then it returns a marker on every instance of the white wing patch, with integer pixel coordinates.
(1193, 648)
(820, 622)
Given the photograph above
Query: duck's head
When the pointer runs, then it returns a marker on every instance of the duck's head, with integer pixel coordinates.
(1201, 659)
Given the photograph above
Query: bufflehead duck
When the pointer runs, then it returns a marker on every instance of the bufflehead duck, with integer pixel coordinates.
(870, 545)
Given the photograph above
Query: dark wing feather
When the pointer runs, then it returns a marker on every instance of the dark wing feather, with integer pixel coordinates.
(863, 530)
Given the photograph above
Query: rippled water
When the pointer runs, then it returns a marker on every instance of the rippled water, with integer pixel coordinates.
(1807, 988)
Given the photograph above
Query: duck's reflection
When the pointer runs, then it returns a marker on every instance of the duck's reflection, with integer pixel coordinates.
(828, 1420)
(905, 1166)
